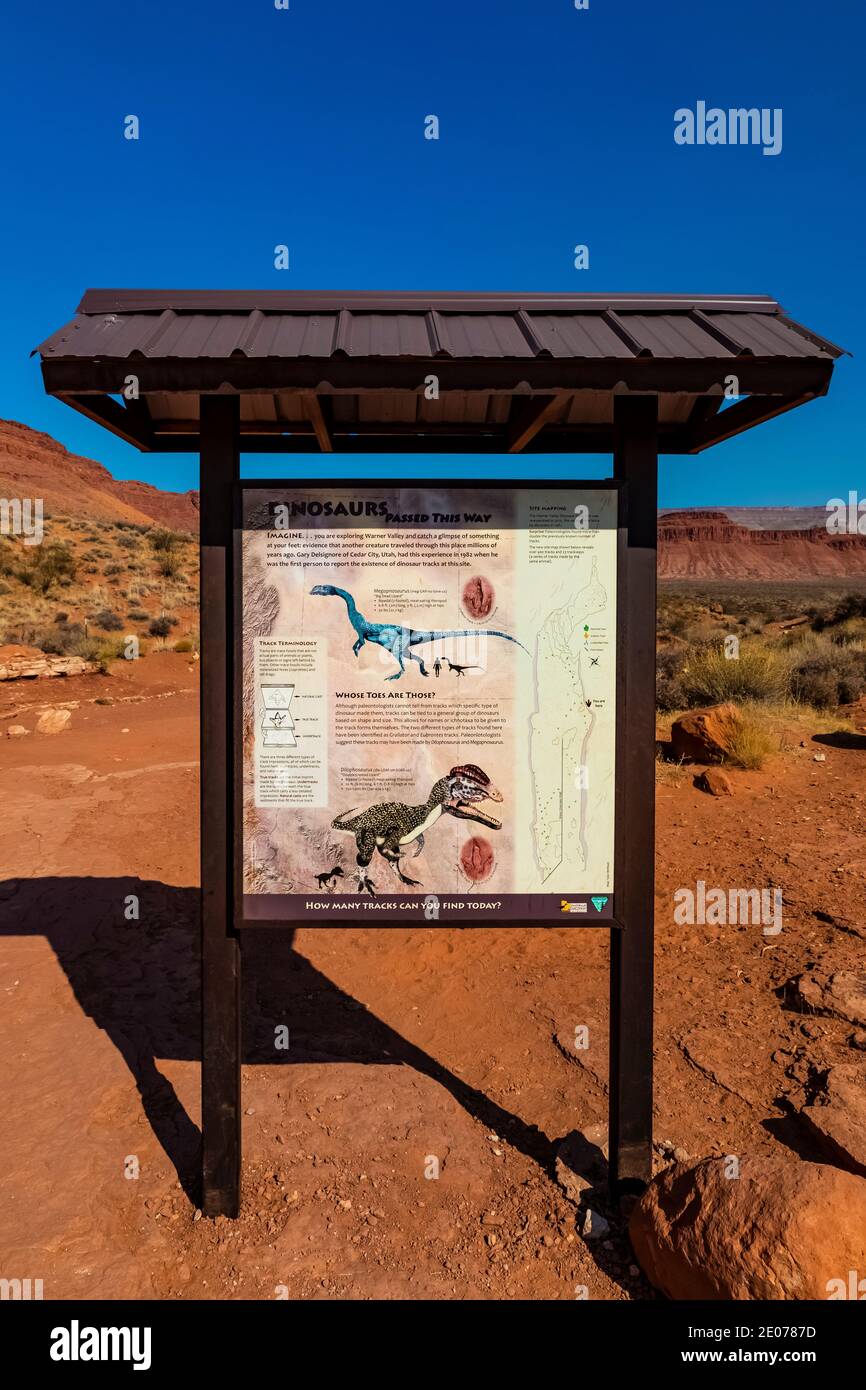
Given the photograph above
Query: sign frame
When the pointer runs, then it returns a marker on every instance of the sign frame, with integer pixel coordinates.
(618, 486)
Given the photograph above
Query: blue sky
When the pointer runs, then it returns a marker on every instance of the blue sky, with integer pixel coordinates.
(262, 126)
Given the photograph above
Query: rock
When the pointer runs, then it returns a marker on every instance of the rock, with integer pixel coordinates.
(858, 1040)
(842, 995)
(705, 735)
(594, 1226)
(17, 731)
(838, 1116)
(25, 663)
(782, 1229)
(53, 721)
(714, 782)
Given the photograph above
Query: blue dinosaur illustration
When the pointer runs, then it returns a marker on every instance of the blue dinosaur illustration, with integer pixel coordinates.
(399, 640)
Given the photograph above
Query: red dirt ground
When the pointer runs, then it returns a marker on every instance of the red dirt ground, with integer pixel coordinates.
(407, 1044)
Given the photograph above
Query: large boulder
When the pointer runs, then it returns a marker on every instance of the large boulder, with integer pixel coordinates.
(705, 735)
(781, 1229)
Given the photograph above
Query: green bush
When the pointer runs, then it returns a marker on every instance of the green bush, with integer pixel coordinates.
(48, 565)
(759, 673)
(834, 676)
(670, 693)
(108, 621)
(164, 541)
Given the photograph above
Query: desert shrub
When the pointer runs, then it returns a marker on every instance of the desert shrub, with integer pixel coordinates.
(7, 558)
(750, 744)
(164, 541)
(851, 606)
(62, 639)
(184, 645)
(112, 569)
(829, 677)
(47, 566)
(61, 617)
(760, 673)
(137, 615)
(670, 693)
(162, 626)
(169, 564)
(108, 621)
(128, 542)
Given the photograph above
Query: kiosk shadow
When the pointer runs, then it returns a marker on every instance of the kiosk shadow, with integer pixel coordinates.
(130, 949)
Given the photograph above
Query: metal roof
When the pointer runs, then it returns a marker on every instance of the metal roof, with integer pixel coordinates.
(290, 353)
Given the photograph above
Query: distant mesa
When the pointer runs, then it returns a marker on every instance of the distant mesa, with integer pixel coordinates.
(776, 543)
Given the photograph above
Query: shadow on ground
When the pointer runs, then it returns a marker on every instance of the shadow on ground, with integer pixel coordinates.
(138, 979)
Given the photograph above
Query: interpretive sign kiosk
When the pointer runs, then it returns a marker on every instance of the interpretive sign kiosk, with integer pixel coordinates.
(444, 690)
(428, 697)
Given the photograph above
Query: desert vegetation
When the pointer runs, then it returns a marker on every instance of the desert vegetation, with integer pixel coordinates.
(773, 655)
(88, 587)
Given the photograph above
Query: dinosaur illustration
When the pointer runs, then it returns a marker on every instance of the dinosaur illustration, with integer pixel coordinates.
(325, 880)
(391, 826)
(458, 670)
(399, 640)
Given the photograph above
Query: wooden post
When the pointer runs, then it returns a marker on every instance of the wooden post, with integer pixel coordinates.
(220, 946)
(631, 949)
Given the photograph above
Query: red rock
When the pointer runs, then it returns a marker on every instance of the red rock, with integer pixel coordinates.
(714, 782)
(782, 1229)
(838, 1117)
(704, 735)
(842, 995)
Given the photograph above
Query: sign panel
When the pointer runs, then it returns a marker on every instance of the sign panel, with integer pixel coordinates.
(429, 700)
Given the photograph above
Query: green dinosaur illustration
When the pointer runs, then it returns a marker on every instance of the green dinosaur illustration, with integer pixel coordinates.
(399, 640)
(392, 825)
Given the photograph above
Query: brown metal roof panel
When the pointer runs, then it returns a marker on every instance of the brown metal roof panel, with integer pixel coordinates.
(387, 335)
(484, 335)
(294, 335)
(107, 335)
(578, 335)
(196, 335)
(766, 336)
(673, 335)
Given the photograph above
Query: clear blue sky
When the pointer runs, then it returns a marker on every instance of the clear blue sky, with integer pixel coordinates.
(261, 126)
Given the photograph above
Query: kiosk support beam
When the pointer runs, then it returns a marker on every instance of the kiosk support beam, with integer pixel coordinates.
(220, 946)
(631, 949)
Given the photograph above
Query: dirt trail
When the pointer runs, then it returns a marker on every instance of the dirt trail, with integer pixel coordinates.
(412, 1050)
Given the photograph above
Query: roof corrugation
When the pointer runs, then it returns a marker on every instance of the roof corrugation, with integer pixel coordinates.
(567, 327)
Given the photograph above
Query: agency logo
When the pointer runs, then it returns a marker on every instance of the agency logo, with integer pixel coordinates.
(77, 1343)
